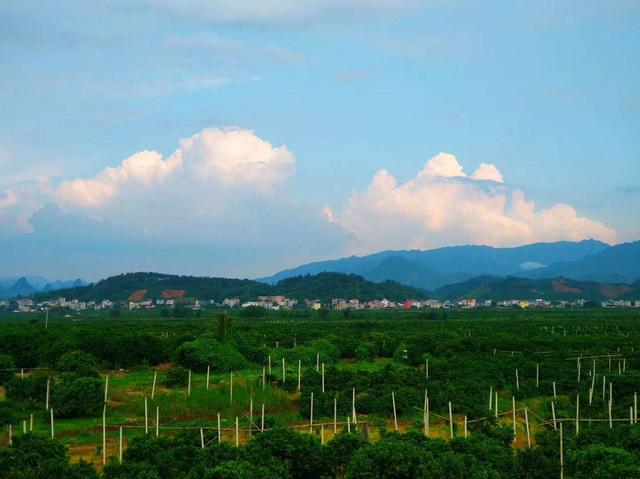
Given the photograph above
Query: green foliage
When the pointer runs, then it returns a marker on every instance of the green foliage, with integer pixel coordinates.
(177, 377)
(207, 351)
(253, 312)
(7, 366)
(29, 391)
(33, 457)
(77, 396)
(78, 363)
(366, 351)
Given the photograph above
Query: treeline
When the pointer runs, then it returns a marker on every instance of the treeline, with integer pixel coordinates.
(283, 454)
(323, 286)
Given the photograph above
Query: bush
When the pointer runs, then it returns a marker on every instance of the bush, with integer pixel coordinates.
(77, 396)
(366, 351)
(79, 363)
(6, 368)
(177, 377)
(36, 457)
(206, 351)
(30, 390)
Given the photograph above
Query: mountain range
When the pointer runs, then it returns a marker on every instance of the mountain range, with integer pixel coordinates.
(27, 285)
(431, 269)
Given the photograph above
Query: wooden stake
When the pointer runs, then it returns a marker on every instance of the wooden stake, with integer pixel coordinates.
(348, 424)
(395, 417)
(311, 415)
(231, 389)
(425, 414)
(30, 422)
(561, 455)
(153, 386)
(220, 429)
(317, 362)
(353, 406)
(250, 417)
(283, 372)
(157, 421)
(106, 387)
(322, 377)
(526, 422)
(635, 408)
(262, 418)
(269, 364)
(513, 411)
(321, 433)
(335, 415)
(208, 373)
(517, 381)
(46, 320)
(46, 398)
(610, 417)
(579, 368)
(120, 446)
(104, 434)
(555, 394)
(577, 414)
(450, 421)
(146, 416)
(496, 404)
(537, 375)
(52, 426)
(426, 367)
(189, 385)
(465, 427)
(490, 398)
(201, 438)
(264, 378)
(237, 433)
(604, 378)
(299, 373)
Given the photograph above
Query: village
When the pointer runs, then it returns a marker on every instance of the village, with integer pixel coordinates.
(280, 302)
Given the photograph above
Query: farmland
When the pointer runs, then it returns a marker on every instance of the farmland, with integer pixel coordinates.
(354, 394)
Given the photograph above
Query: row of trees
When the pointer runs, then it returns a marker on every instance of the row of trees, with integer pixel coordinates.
(281, 453)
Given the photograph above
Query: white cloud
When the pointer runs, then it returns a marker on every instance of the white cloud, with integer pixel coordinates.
(487, 172)
(442, 206)
(236, 157)
(209, 159)
(146, 168)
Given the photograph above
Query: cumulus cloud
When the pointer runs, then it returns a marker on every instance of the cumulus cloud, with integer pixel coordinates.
(442, 206)
(487, 172)
(212, 157)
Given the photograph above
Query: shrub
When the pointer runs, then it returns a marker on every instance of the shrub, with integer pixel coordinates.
(29, 390)
(79, 363)
(206, 351)
(77, 396)
(6, 368)
(177, 377)
(366, 351)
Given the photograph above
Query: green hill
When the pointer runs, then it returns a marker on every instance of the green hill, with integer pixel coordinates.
(323, 286)
(501, 288)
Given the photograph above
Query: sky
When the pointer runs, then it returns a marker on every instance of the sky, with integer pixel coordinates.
(238, 138)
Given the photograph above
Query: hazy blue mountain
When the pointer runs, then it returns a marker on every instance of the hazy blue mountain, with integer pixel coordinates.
(56, 285)
(25, 285)
(21, 288)
(434, 268)
(619, 264)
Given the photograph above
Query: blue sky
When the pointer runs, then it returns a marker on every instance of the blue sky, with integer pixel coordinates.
(312, 124)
